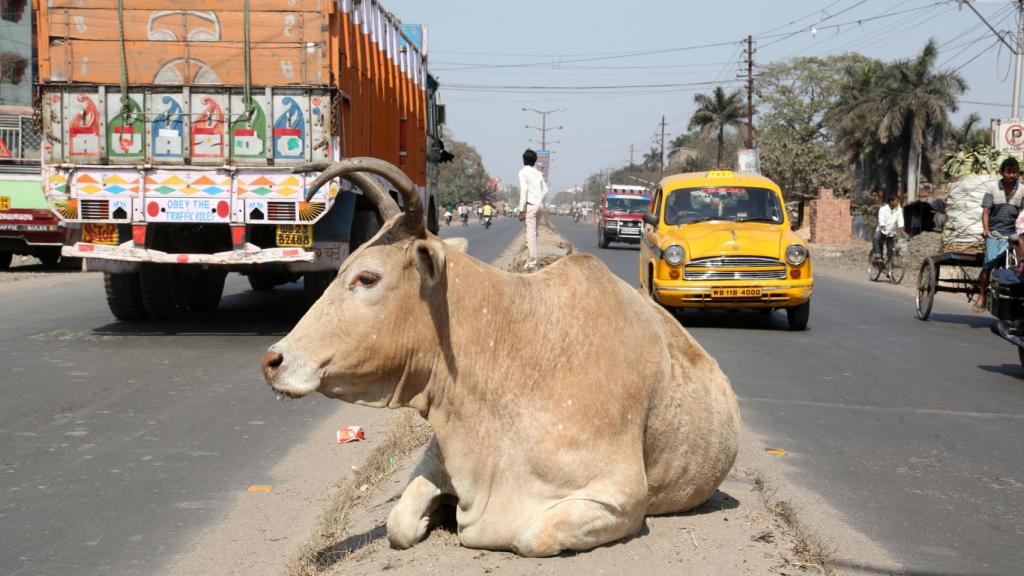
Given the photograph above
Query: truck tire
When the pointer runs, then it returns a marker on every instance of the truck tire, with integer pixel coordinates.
(263, 282)
(432, 221)
(49, 256)
(5, 260)
(365, 225)
(315, 283)
(206, 290)
(160, 292)
(602, 240)
(124, 296)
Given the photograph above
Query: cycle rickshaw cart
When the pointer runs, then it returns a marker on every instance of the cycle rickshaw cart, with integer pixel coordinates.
(966, 263)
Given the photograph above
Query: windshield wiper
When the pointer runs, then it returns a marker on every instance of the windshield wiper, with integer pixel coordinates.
(770, 220)
(697, 219)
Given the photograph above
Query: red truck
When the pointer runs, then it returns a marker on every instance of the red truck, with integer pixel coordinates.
(621, 214)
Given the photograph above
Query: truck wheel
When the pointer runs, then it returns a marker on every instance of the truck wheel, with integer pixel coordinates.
(124, 296)
(602, 240)
(5, 260)
(206, 291)
(432, 224)
(263, 282)
(160, 292)
(798, 316)
(315, 283)
(49, 257)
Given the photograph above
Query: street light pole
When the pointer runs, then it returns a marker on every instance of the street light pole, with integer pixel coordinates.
(544, 124)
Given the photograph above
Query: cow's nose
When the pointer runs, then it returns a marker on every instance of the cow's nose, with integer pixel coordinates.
(270, 363)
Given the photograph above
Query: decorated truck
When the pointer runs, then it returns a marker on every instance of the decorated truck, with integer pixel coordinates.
(620, 216)
(172, 131)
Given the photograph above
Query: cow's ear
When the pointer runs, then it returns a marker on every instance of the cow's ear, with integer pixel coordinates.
(458, 243)
(429, 255)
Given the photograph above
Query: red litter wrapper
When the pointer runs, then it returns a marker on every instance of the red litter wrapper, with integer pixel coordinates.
(351, 434)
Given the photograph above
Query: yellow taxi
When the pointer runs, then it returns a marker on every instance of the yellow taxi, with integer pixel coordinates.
(723, 240)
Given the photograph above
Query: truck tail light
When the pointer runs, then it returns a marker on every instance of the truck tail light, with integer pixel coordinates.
(139, 235)
(238, 237)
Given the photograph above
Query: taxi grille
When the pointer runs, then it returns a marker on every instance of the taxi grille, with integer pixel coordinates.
(736, 262)
(723, 268)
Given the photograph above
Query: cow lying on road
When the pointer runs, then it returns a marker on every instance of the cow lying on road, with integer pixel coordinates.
(566, 406)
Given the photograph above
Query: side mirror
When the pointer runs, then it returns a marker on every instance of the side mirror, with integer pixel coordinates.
(651, 219)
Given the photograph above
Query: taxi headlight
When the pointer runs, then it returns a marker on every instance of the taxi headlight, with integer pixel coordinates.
(796, 254)
(674, 255)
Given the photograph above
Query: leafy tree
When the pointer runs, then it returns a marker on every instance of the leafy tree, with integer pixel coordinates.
(715, 113)
(464, 179)
(797, 149)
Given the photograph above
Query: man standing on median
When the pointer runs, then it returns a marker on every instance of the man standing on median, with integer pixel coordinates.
(532, 190)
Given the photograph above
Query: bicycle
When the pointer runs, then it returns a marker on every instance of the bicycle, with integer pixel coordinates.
(894, 267)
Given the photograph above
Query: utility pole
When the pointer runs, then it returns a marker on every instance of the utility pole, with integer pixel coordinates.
(630, 154)
(750, 91)
(1015, 106)
(661, 170)
(544, 124)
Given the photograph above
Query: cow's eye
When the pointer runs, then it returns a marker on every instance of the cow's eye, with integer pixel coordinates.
(366, 279)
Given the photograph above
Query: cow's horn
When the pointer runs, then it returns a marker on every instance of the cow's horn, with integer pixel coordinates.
(413, 208)
(384, 203)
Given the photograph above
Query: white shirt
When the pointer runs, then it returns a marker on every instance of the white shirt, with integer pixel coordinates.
(890, 220)
(532, 187)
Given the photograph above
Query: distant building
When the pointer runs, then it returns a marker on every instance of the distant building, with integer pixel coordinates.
(17, 53)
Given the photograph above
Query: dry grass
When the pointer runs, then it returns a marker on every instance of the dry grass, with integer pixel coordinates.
(328, 545)
(809, 553)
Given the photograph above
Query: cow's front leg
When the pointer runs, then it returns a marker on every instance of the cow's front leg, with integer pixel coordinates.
(410, 518)
(579, 524)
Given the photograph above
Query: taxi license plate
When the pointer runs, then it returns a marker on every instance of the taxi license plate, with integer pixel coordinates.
(735, 292)
(5, 203)
(294, 235)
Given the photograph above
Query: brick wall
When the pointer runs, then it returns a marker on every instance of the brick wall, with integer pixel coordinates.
(831, 222)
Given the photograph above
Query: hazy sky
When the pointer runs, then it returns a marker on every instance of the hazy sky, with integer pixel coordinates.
(487, 55)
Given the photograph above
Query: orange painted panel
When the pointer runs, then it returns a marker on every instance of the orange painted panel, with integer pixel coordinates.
(192, 5)
(178, 63)
(141, 25)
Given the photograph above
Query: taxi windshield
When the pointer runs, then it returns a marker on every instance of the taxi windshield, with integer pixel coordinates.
(732, 203)
(628, 203)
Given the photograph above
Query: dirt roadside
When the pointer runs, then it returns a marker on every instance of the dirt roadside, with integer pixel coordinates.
(760, 521)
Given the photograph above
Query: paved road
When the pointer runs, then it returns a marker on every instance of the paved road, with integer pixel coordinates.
(119, 442)
(914, 430)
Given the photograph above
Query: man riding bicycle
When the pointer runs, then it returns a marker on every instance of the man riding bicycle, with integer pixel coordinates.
(890, 223)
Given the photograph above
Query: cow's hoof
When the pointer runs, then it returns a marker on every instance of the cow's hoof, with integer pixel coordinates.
(405, 530)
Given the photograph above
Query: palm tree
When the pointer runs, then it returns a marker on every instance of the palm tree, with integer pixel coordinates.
(714, 113)
(889, 114)
(917, 109)
(968, 134)
(652, 159)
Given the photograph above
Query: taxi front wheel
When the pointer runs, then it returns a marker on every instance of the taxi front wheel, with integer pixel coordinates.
(798, 316)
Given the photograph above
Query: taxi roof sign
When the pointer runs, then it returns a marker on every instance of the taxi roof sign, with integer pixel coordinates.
(720, 174)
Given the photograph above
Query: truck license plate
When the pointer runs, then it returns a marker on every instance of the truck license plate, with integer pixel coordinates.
(735, 292)
(294, 235)
(5, 203)
(629, 231)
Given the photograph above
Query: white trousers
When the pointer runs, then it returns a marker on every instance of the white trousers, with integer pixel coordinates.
(532, 219)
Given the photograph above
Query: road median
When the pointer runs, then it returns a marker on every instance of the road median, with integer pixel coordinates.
(754, 524)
